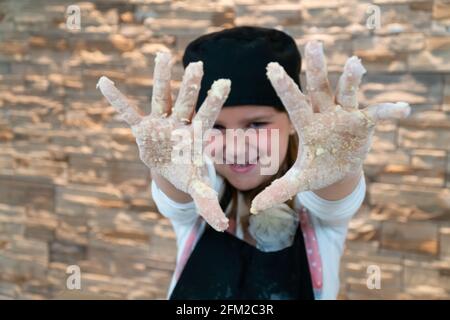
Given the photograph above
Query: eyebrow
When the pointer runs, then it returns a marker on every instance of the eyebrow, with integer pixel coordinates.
(252, 119)
(259, 117)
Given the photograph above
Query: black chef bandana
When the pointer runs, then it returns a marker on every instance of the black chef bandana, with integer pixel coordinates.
(241, 54)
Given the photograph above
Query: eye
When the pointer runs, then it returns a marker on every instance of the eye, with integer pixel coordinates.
(258, 124)
(218, 127)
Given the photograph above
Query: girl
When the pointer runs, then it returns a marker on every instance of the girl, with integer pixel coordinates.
(284, 232)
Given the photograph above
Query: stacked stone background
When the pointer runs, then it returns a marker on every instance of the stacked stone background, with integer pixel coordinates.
(74, 192)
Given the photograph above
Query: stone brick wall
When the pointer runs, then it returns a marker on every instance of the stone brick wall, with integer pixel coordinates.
(74, 192)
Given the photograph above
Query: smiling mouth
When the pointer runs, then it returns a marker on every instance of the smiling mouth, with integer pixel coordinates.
(243, 168)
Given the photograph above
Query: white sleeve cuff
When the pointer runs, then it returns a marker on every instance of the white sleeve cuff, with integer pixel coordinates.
(177, 213)
(159, 196)
(338, 211)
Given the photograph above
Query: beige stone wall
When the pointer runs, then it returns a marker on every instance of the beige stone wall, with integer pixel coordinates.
(74, 192)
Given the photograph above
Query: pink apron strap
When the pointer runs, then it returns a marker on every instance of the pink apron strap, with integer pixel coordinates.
(191, 240)
(192, 237)
(312, 249)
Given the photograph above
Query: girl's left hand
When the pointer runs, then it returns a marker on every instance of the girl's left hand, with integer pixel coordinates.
(335, 136)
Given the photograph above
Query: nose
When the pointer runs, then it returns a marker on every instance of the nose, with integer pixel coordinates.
(241, 146)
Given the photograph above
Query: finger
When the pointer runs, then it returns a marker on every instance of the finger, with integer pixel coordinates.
(279, 191)
(190, 86)
(293, 99)
(384, 111)
(129, 113)
(317, 77)
(348, 85)
(207, 203)
(161, 98)
(210, 108)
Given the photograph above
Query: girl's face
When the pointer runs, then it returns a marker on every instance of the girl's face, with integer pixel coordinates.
(259, 125)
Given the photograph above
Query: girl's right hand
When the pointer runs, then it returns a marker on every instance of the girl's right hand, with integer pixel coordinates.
(155, 133)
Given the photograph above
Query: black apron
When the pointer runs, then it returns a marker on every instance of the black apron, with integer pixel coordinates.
(222, 266)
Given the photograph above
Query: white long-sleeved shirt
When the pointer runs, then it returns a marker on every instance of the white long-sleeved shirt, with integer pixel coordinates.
(329, 220)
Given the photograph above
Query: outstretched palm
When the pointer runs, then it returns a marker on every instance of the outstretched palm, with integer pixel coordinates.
(155, 132)
(335, 136)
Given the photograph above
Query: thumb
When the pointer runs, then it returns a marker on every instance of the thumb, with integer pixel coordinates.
(279, 191)
(207, 203)
(383, 111)
(128, 112)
